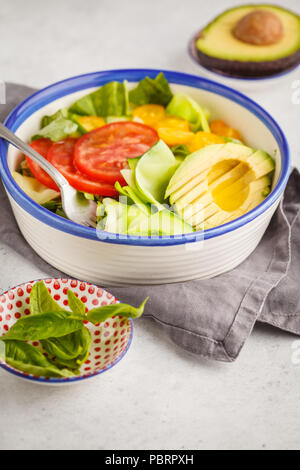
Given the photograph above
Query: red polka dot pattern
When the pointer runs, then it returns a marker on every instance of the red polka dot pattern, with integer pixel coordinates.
(110, 339)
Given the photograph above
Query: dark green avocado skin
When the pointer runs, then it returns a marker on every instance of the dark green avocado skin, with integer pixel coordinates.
(249, 69)
(236, 68)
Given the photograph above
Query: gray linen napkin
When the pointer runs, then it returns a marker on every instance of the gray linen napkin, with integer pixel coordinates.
(214, 317)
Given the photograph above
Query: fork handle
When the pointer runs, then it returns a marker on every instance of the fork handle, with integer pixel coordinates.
(6, 134)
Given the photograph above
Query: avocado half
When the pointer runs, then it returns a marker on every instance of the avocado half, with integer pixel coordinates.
(217, 47)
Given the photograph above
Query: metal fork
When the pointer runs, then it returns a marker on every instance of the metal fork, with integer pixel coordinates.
(76, 207)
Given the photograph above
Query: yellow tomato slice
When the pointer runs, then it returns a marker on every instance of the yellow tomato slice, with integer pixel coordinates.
(173, 136)
(221, 128)
(150, 114)
(175, 122)
(91, 122)
(202, 139)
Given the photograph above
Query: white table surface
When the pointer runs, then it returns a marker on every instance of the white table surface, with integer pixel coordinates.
(158, 396)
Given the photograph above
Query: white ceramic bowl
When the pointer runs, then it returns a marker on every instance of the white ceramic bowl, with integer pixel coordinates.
(109, 259)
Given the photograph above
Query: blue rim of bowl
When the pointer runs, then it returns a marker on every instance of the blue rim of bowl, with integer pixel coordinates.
(64, 380)
(71, 85)
(192, 53)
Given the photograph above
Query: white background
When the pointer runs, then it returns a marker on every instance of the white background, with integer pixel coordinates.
(158, 397)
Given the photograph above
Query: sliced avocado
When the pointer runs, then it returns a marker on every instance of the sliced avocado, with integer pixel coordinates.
(217, 179)
(219, 48)
(161, 223)
(237, 177)
(203, 160)
(257, 192)
(261, 163)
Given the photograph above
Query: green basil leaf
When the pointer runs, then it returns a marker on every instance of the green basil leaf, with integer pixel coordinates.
(75, 304)
(71, 350)
(150, 91)
(38, 327)
(41, 300)
(100, 314)
(27, 358)
(57, 130)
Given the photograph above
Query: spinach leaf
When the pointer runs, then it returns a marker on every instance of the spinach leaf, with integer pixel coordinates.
(41, 300)
(100, 314)
(109, 100)
(151, 91)
(70, 351)
(27, 358)
(47, 325)
(57, 130)
(75, 304)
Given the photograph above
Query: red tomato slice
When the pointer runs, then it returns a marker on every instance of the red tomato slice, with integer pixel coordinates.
(102, 153)
(41, 146)
(61, 156)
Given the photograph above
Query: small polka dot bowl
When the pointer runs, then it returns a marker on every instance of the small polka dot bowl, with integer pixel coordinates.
(110, 339)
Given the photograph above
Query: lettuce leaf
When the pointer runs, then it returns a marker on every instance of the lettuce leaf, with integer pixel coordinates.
(57, 130)
(84, 106)
(186, 108)
(151, 91)
(61, 113)
(135, 196)
(109, 100)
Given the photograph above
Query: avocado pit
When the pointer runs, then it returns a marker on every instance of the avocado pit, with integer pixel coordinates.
(259, 28)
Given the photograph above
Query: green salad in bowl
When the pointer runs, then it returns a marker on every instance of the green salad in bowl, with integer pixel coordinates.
(152, 159)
